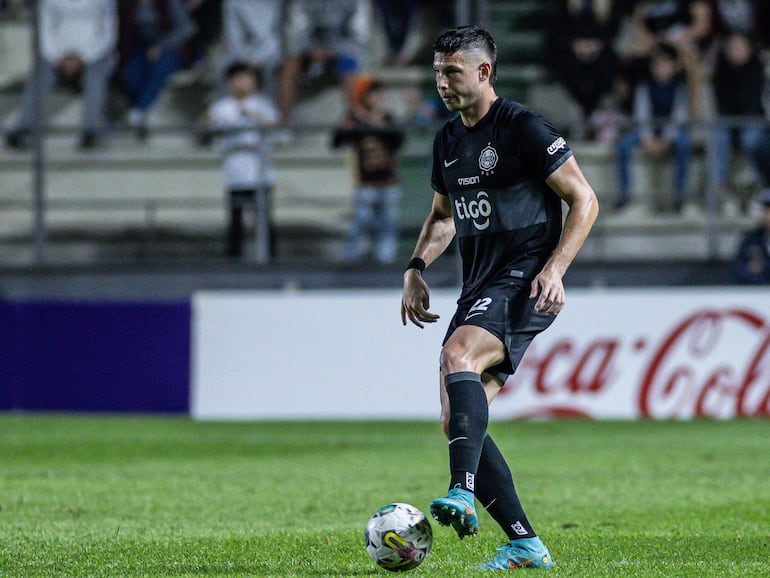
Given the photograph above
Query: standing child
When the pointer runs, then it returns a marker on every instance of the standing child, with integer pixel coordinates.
(375, 138)
(238, 120)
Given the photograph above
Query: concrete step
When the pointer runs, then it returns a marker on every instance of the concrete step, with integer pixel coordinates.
(15, 51)
(170, 186)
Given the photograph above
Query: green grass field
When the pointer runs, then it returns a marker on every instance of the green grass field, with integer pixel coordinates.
(84, 496)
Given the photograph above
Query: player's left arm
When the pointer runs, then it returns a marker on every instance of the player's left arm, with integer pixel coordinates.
(569, 182)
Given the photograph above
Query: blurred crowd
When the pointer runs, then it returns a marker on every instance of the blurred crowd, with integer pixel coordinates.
(657, 78)
(646, 73)
(133, 48)
(262, 52)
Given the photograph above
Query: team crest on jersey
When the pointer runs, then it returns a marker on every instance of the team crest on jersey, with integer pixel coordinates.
(488, 159)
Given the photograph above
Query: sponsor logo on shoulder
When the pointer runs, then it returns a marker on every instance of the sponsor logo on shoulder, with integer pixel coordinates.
(556, 145)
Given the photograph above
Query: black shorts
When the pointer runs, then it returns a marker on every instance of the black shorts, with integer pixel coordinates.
(507, 312)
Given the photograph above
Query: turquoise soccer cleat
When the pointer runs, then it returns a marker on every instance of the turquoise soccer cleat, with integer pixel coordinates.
(457, 510)
(525, 553)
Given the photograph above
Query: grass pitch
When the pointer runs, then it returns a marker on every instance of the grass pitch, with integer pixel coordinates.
(85, 496)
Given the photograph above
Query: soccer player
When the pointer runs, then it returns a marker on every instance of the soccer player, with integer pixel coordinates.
(500, 174)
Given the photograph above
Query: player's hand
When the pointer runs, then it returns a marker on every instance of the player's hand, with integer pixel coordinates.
(548, 288)
(415, 300)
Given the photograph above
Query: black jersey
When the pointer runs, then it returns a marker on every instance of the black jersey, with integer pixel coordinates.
(507, 220)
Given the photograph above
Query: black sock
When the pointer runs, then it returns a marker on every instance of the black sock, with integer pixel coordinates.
(497, 493)
(468, 417)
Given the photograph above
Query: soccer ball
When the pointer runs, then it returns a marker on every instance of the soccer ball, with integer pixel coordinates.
(398, 537)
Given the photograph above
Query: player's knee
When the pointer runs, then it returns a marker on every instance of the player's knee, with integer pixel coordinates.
(454, 359)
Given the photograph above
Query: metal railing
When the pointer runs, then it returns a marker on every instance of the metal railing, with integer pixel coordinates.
(467, 10)
(42, 166)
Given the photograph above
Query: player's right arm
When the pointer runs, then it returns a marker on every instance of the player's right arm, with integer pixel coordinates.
(437, 232)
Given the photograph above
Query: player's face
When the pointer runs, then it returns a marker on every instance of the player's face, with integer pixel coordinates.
(458, 79)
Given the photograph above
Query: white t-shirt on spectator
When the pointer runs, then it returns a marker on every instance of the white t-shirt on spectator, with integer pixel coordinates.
(86, 28)
(242, 140)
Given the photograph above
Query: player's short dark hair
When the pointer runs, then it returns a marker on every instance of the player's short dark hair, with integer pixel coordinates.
(470, 37)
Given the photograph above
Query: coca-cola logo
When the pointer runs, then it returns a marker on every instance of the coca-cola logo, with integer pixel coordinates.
(690, 375)
(711, 363)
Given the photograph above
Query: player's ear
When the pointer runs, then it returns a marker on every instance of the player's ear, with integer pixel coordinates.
(485, 69)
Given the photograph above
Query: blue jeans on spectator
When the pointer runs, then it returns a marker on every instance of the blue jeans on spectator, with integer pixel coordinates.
(682, 149)
(748, 139)
(145, 80)
(377, 213)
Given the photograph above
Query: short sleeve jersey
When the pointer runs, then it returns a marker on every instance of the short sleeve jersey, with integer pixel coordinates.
(507, 219)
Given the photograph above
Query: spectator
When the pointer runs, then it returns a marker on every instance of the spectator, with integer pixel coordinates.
(238, 120)
(749, 17)
(77, 44)
(397, 17)
(739, 83)
(687, 24)
(252, 31)
(375, 138)
(581, 54)
(660, 114)
(152, 35)
(206, 16)
(751, 264)
(323, 34)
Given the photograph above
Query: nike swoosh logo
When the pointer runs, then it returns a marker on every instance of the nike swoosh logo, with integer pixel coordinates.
(473, 315)
(457, 439)
(450, 163)
(513, 565)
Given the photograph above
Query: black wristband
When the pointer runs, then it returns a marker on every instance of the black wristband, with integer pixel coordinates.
(416, 263)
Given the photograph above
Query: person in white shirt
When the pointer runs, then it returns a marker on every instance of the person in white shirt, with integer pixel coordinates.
(78, 42)
(238, 121)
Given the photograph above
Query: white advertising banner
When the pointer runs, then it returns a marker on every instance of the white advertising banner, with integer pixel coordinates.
(613, 354)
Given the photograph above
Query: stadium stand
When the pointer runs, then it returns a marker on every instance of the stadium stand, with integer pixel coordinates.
(162, 201)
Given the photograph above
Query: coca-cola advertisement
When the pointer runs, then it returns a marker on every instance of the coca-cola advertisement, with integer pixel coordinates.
(610, 354)
(665, 354)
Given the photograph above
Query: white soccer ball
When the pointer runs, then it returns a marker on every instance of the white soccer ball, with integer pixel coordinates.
(398, 537)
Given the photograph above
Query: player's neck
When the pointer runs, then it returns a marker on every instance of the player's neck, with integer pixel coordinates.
(474, 114)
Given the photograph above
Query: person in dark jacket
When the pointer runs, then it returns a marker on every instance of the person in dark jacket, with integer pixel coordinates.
(739, 82)
(580, 52)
